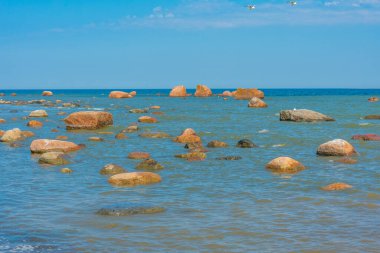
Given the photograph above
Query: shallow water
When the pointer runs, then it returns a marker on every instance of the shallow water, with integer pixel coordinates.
(211, 206)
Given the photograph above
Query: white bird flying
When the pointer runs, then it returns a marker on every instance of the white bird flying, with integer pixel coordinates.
(293, 3)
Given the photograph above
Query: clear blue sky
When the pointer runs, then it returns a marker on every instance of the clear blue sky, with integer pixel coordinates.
(158, 44)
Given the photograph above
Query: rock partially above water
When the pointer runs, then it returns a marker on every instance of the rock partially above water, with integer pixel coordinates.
(38, 113)
(257, 103)
(147, 119)
(155, 135)
(337, 187)
(149, 164)
(138, 155)
(192, 156)
(227, 93)
(138, 110)
(247, 94)
(188, 136)
(112, 169)
(46, 145)
(34, 124)
(347, 160)
(1, 133)
(372, 117)
(202, 91)
(245, 143)
(120, 94)
(121, 136)
(129, 210)
(134, 179)
(66, 171)
(337, 147)
(88, 120)
(178, 91)
(2, 121)
(12, 135)
(53, 158)
(229, 158)
(373, 99)
(95, 138)
(217, 144)
(366, 137)
(285, 165)
(131, 129)
(303, 115)
(47, 93)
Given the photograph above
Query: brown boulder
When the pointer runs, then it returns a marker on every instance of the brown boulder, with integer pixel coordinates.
(112, 169)
(373, 99)
(366, 137)
(34, 124)
(53, 158)
(188, 136)
(38, 113)
(217, 144)
(47, 93)
(336, 187)
(226, 94)
(12, 135)
(257, 103)
(119, 94)
(178, 91)
(88, 120)
(46, 145)
(285, 165)
(2, 121)
(147, 119)
(138, 155)
(193, 156)
(155, 107)
(149, 164)
(203, 91)
(246, 94)
(337, 147)
(13, 94)
(134, 179)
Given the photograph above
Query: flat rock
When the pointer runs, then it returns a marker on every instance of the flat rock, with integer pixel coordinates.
(35, 124)
(134, 179)
(372, 117)
(147, 119)
(138, 110)
(285, 165)
(88, 120)
(120, 94)
(347, 160)
(138, 155)
(38, 113)
(47, 93)
(46, 145)
(121, 136)
(2, 121)
(193, 156)
(337, 187)
(303, 115)
(366, 137)
(337, 147)
(154, 135)
(229, 158)
(112, 169)
(247, 94)
(53, 158)
(373, 99)
(95, 138)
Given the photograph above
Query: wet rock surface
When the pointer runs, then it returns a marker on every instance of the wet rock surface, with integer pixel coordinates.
(89, 120)
(245, 143)
(303, 115)
(337, 147)
(285, 165)
(112, 169)
(53, 158)
(149, 164)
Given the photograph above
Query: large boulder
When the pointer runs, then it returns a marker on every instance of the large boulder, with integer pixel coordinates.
(112, 169)
(38, 113)
(120, 94)
(366, 137)
(12, 135)
(257, 103)
(336, 187)
(134, 179)
(147, 119)
(53, 158)
(88, 120)
(337, 147)
(178, 91)
(203, 91)
(247, 94)
(188, 136)
(47, 93)
(46, 145)
(285, 165)
(303, 115)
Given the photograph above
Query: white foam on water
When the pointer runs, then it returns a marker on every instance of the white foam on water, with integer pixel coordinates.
(263, 131)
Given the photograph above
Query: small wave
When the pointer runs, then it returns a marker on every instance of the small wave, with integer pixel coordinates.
(263, 131)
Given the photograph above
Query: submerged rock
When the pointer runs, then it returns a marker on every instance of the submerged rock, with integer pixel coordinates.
(112, 169)
(129, 210)
(372, 117)
(66, 171)
(195, 147)
(245, 143)
(95, 138)
(149, 164)
(53, 158)
(147, 119)
(134, 179)
(38, 113)
(34, 124)
(336, 187)
(257, 103)
(366, 137)
(188, 136)
(217, 144)
(61, 137)
(192, 156)
(303, 115)
(138, 110)
(247, 94)
(347, 160)
(46, 145)
(138, 155)
(130, 129)
(121, 136)
(178, 91)
(120, 94)
(88, 120)
(155, 135)
(285, 165)
(47, 93)
(203, 91)
(229, 158)
(155, 107)
(337, 147)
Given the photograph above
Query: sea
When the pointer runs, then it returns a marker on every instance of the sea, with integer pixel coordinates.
(211, 205)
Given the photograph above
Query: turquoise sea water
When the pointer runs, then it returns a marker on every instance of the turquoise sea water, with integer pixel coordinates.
(212, 205)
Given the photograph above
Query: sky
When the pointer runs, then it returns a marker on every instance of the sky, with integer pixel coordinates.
(103, 44)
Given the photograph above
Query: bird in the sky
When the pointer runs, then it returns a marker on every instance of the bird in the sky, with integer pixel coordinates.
(293, 3)
(251, 7)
